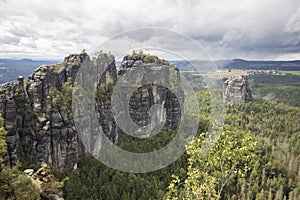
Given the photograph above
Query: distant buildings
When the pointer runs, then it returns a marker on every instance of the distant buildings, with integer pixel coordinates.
(267, 72)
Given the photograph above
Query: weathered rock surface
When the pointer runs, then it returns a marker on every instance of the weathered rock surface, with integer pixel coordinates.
(38, 131)
(37, 113)
(144, 97)
(236, 90)
(43, 179)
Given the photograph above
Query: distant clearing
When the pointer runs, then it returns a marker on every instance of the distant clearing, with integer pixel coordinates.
(224, 73)
(292, 72)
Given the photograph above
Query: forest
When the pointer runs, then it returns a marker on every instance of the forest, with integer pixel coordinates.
(256, 155)
(260, 145)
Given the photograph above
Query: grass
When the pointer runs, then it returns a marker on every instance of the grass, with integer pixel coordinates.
(223, 73)
(292, 72)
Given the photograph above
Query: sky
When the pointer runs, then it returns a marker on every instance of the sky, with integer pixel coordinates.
(225, 29)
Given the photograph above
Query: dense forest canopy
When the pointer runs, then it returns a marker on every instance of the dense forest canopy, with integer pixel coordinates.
(260, 146)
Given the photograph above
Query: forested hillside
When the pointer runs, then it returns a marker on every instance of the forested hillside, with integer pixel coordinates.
(279, 88)
(269, 131)
(256, 155)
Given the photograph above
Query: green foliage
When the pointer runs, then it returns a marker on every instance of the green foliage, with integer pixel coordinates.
(275, 171)
(265, 119)
(147, 58)
(133, 144)
(279, 88)
(63, 97)
(93, 180)
(13, 183)
(103, 93)
(287, 94)
(57, 67)
(3, 145)
(150, 58)
(265, 79)
(291, 72)
(237, 167)
(197, 82)
(25, 87)
(209, 172)
(276, 127)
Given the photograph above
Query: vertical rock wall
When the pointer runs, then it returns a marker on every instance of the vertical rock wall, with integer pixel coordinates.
(151, 94)
(38, 117)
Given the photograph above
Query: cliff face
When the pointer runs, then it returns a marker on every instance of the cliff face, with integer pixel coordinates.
(38, 117)
(156, 72)
(236, 90)
(37, 130)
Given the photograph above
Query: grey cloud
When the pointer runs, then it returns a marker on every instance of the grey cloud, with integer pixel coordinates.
(244, 28)
(20, 29)
(11, 40)
(293, 24)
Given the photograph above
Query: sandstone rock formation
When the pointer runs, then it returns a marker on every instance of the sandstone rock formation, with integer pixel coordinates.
(43, 179)
(38, 116)
(155, 71)
(236, 90)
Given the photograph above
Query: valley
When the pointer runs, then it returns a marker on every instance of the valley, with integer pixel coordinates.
(258, 144)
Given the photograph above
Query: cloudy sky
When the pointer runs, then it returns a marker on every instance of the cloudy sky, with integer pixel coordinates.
(248, 29)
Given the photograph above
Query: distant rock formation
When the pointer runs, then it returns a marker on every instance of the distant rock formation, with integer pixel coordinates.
(236, 90)
(38, 116)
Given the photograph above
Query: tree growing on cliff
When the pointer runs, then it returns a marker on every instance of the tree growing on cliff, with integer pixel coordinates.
(13, 183)
(63, 97)
(3, 145)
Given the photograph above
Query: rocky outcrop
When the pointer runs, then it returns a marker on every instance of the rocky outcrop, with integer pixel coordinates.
(37, 130)
(236, 90)
(38, 116)
(43, 179)
(103, 97)
(154, 71)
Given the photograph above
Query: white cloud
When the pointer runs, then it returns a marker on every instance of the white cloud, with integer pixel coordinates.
(262, 29)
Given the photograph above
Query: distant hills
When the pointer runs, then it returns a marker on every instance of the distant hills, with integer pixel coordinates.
(10, 69)
(262, 65)
(241, 64)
